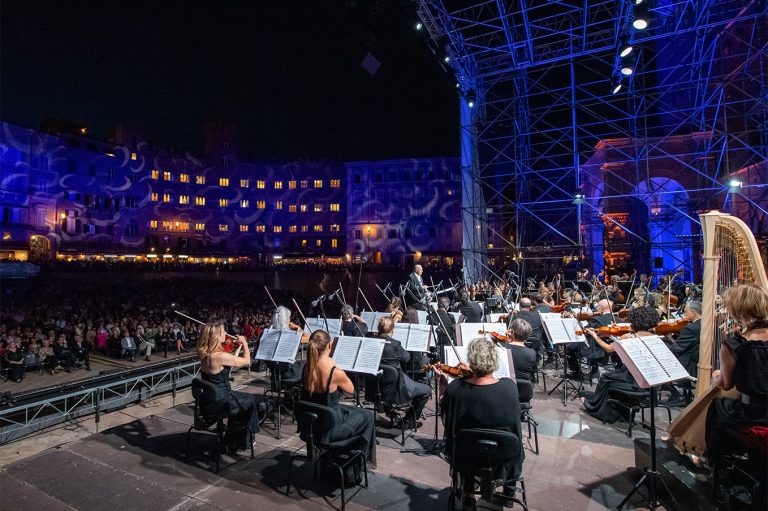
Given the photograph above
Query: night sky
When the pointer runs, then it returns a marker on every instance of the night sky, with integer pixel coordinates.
(287, 73)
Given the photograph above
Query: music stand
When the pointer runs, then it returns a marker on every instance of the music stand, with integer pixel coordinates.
(562, 331)
(278, 346)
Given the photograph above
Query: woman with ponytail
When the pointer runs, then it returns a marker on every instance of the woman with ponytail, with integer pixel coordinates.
(324, 383)
(215, 365)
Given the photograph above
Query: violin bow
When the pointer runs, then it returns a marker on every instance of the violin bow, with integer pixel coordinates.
(233, 337)
(270, 297)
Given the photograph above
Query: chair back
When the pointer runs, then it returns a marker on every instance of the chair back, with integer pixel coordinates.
(209, 403)
(30, 359)
(315, 421)
(484, 448)
(524, 390)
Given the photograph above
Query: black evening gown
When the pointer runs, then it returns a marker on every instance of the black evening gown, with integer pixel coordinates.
(241, 407)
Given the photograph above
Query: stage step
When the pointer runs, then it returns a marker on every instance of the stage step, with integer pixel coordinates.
(691, 486)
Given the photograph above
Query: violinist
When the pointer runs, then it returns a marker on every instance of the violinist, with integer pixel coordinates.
(594, 353)
(542, 306)
(642, 320)
(686, 347)
(394, 307)
(352, 324)
(481, 401)
(533, 319)
(442, 318)
(523, 357)
(281, 320)
(470, 311)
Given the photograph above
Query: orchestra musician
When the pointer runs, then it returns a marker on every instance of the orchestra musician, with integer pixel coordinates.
(471, 312)
(324, 383)
(686, 348)
(542, 306)
(481, 401)
(215, 365)
(416, 285)
(592, 351)
(442, 318)
(281, 320)
(351, 323)
(523, 357)
(532, 317)
(394, 307)
(642, 320)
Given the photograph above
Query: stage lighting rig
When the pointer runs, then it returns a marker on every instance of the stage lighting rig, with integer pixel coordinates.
(734, 186)
(640, 19)
(471, 98)
(617, 88)
(419, 25)
(578, 199)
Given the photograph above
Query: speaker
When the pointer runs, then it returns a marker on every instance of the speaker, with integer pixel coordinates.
(658, 262)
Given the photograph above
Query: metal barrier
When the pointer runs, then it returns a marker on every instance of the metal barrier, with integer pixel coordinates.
(45, 410)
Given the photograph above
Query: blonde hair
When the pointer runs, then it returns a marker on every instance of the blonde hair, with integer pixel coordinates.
(748, 304)
(482, 357)
(209, 339)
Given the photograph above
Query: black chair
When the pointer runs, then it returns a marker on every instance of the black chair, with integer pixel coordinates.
(211, 422)
(286, 389)
(525, 393)
(32, 361)
(315, 421)
(383, 401)
(741, 465)
(634, 401)
(483, 453)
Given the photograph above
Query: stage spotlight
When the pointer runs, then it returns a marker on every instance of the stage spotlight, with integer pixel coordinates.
(627, 69)
(616, 89)
(734, 186)
(626, 49)
(578, 199)
(628, 64)
(471, 99)
(419, 26)
(447, 59)
(641, 20)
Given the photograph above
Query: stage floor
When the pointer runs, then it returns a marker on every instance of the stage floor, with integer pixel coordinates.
(137, 462)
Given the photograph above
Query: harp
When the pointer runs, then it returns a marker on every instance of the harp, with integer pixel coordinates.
(731, 257)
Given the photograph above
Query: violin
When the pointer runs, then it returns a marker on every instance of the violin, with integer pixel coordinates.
(560, 307)
(674, 327)
(496, 336)
(452, 371)
(230, 346)
(585, 316)
(609, 331)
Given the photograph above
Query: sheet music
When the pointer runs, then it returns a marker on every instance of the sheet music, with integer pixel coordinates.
(650, 361)
(358, 354)
(561, 330)
(372, 319)
(334, 326)
(505, 360)
(465, 332)
(419, 337)
(493, 317)
(278, 346)
(401, 332)
(422, 316)
(456, 316)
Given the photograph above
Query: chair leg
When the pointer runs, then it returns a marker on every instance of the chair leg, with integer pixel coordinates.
(343, 486)
(535, 435)
(189, 433)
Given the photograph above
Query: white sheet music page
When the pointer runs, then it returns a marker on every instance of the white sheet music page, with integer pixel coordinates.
(334, 326)
(504, 370)
(419, 337)
(561, 330)
(650, 361)
(369, 356)
(287, 347)
(345, 352)
(268, 344)
(372, 319)
(401, 332)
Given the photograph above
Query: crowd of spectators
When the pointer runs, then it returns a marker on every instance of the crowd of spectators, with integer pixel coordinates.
(56, 324)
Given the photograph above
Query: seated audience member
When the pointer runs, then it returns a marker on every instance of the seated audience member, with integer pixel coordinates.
(128, 346)
(63, 353)
(13, 360)
(405, 389)
(642, 321)
(744, 365)
(81, 350)
(482, 401)
(146, 343)
(46, 356)
(324, 384)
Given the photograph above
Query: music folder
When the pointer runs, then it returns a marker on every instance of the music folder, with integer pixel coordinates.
(278, 346)
(358, 354)
(561, 330)
(649, 360)
(413, 337)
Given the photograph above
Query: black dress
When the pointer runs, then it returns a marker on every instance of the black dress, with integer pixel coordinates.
(352, 421)
(597, 404)
(751, 379)
(241, 407)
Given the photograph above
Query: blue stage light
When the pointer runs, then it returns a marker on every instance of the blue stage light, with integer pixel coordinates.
(625, 50)
(419, 26)
(616, 89)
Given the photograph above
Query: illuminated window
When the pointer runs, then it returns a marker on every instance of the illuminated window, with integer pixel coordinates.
(166, 226)
(318, 228)
(303, 243)
(303, 183)
(319, 243)
(260, 185)
(153, 197)
(166, 176)
(183, 199)
(133, 156)
(153, 224)
(335, 183)
(244, 203)
(200, 227)
(261, 204)
(292, 228)
(183, 226)
(223, 181)
(278, 185)
(199, 201)
(318, 208)
(199, 180)
(304, 228)
(277, 228)
(279, 204)
(223, 203)
(243, 228)
(334, 228)
(166, 197)
(184, 178)
(318, 183)
(303, 208)
(155, 174)
(244, 183)
(334, 243)
(336, 207)
(223, 228)
(291, 185)
(292, 208)
(261, 228)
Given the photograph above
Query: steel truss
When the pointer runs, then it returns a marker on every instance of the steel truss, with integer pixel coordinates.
(647, 159)
(45, 409)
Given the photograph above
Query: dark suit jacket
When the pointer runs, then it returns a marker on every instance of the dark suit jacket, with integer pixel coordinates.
(472, 312)
(537, 332)
(394, 355)
(686, 347)
(354, 328)
(414, 284)
(441, 315)
(543, 308)
(595, 351)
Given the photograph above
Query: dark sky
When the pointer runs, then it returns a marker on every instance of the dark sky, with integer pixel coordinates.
(287, 73)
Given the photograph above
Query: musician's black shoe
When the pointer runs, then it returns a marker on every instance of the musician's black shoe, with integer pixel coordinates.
(593, 373)
(677, 402)
(412, 424)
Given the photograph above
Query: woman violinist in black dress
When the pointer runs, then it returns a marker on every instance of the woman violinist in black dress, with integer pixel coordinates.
(642, 320)
(215, 365)
(324, 383)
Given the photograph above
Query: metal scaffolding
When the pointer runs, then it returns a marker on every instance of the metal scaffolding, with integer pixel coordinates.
(572, 170)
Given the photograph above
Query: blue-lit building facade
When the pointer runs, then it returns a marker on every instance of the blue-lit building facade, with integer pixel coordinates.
(66, 195)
